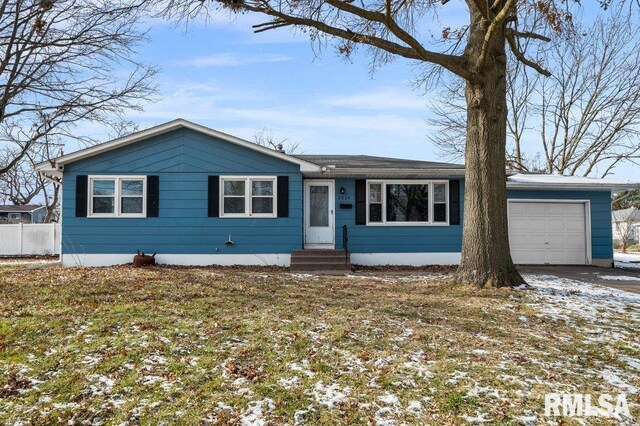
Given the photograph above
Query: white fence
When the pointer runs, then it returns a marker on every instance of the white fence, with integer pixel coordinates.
(29, 239)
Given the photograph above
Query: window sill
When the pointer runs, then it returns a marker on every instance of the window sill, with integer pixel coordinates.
(415, 224)
(113, 216)
(244, 216)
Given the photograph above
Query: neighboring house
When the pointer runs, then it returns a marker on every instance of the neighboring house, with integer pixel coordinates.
(23, 214)
(626, 222)
(198, 196)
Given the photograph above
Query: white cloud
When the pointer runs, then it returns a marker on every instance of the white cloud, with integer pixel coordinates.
(221, 60)
(381, 99)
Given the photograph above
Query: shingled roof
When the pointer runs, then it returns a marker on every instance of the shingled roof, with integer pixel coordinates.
(15, 209)
(375, 163)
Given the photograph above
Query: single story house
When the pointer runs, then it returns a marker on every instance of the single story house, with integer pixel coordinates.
(626, 221)
(198, 196)
(22, 214)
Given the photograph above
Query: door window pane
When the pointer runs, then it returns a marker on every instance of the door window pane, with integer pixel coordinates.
(319, 205)
(407, 203)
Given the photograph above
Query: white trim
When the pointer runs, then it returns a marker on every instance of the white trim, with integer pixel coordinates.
(117, 189)
(332, 212)
(111, 259)
(587, 217)
(429, 182)
(58, 163)
(407, 259)
(248, 197)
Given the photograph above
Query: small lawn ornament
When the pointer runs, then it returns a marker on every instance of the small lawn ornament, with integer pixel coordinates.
(142, 259)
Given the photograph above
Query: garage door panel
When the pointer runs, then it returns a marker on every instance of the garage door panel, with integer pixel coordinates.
(556, 225)
(553, 209)
(576, 225)
(536, 209)
(518, 209)
(547, 232)
(574, 209)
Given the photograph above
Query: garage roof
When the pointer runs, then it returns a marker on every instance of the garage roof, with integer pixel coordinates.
(543, 181)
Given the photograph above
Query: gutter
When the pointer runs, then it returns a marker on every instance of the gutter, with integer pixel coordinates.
(576, 186)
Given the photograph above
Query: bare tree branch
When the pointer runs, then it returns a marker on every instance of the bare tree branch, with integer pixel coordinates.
(64, 63)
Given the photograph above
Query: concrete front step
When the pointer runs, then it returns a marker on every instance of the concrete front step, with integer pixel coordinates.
(320, 261)
(314, 252)
(342, 268)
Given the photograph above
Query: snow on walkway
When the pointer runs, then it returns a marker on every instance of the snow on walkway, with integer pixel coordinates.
(627, 260)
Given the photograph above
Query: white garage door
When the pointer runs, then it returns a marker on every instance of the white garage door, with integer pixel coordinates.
(551, 233)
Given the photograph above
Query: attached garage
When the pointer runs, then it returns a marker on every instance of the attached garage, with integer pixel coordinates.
(550, 232)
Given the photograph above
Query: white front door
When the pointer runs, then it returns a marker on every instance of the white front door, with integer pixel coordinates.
(319, 214)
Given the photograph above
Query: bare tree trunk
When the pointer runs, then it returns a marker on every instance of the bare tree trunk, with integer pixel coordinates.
(486, 258)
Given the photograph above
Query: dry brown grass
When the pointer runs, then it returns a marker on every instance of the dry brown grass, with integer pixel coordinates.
(207, 345)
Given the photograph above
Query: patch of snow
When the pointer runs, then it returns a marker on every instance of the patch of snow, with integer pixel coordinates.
(479, 418)
(330, 395)
(254, 414)
(415, 407)
(457, 376)
(614, 379)
(406, 333)
(618, 278)
(289, 383)
(155, 359)
(102, 384)
(627, 260)
(389, 399)
(631, 362)
(303, 368)
(91, 360)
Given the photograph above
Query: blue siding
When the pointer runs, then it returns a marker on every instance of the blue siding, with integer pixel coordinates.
(448, 239)
(182, 159)
(601, 231)
(393, 239)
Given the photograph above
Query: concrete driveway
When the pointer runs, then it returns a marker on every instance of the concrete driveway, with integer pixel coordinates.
(621, 279)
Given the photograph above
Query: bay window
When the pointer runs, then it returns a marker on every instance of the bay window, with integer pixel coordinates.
(415, 202)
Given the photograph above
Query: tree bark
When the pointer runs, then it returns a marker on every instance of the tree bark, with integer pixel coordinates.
(486, 257)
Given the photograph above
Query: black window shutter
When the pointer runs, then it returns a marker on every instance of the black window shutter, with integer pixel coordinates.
(214, 196)
(454, 202)
(283, 196)
(361, 202)
(153, 195)
(82, 192)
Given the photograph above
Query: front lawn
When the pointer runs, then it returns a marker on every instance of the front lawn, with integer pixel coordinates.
(224, 346)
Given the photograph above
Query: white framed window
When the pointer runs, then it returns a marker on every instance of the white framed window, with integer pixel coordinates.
(14, 216)
(248, 196)
(117, 196)
(407, 202)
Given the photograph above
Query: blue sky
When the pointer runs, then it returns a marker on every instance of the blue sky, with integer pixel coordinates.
(222, 75)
